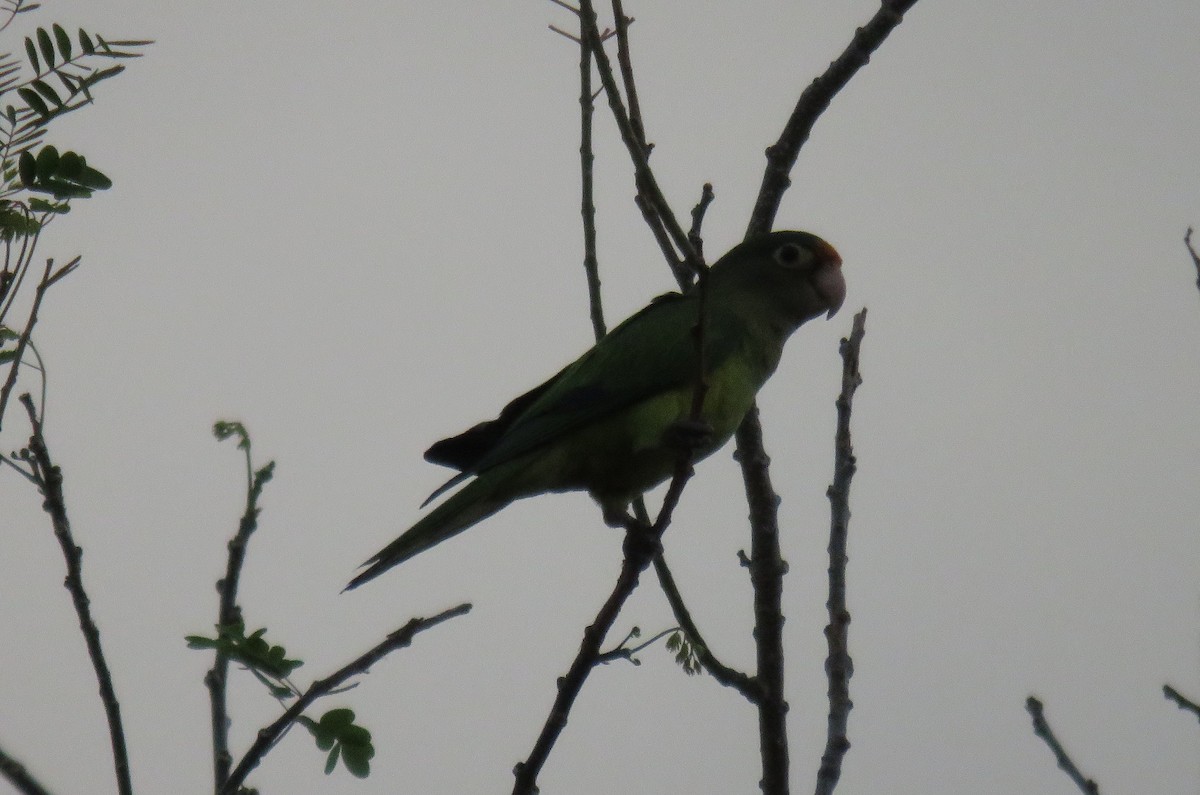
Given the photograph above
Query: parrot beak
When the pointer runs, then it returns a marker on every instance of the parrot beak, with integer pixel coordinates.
(828, 280)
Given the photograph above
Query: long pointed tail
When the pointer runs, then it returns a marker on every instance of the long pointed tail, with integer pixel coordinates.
(474, 502)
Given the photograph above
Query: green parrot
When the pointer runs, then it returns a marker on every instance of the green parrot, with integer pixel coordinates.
(605, 422)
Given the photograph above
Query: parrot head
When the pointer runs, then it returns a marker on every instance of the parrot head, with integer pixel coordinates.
(795, 275)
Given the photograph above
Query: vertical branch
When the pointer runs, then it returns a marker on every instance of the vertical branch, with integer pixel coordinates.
(49, 479)
(588, 205)
(228, 611)
(766, 563)
(766, 577)
(838, 666)
(1187, 241)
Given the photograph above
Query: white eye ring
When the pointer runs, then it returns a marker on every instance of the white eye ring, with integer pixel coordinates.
(791, 255)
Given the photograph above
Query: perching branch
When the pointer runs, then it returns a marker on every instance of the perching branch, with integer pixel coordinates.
(268, 736)
(49, 481)
(1042, 729)
(22, 780)
(1181, 701)
(643, 543)
(838, 666)
(781, 155)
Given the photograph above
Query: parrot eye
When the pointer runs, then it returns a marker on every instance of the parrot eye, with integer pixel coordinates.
(790, 255)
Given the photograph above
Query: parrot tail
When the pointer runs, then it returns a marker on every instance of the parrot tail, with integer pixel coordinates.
(475, 502)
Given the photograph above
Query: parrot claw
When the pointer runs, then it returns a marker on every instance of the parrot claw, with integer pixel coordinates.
(641, 542)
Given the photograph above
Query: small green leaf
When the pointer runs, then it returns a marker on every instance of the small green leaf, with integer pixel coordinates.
(331, 760)
(63, 41)
(47, 163)
(223, 429)
(47, 91)
(27, 168)
(357, 759)
(338, 719)
(69, 166)
(34, 101)
(31, 52)
(91, 178)
(102, 74)
(46, 47)
(7, 356)
(85, 42)
(43, 206)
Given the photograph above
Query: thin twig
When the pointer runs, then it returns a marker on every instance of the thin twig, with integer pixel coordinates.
(781, 155)
(838, 665)
(587, 161)
(15, 773)
(706, 198)
(1181, 701)
(1187, 241)
(50, 481)
(730, 677)
(1042, 729)
(655, 204)
(621, 25)
(229, 613)
(23, 340)
(269, 735)
(623, 652)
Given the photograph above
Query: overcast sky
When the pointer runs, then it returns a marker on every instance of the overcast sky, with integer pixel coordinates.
(355, 228)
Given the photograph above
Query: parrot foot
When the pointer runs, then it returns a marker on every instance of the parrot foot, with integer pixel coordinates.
(641, 542)
(688, 435)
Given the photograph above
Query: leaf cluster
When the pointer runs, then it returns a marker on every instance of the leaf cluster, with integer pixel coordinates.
(252, 651)
(687, 653)
(64, 72)
(337, 733)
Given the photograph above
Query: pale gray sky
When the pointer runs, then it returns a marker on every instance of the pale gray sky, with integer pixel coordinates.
(355, 227)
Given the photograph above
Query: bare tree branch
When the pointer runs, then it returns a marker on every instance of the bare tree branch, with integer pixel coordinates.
(781, 155)
(1042, 729)
(22, 780)
(766, 562)
(587, 160)
(653, 204)
(1187, 241)
(49, 481)
(838, 666)
(269, 735)
(1181, 701)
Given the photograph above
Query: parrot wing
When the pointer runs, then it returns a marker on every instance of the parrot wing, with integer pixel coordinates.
(651, 352)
